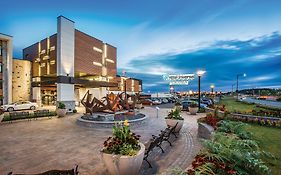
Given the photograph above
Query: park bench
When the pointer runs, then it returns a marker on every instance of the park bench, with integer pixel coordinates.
(168, 131)
(16, 115)
(156, 141)
(73, 171)
(42, 113)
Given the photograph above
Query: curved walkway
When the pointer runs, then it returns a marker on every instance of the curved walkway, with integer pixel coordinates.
(59, 143)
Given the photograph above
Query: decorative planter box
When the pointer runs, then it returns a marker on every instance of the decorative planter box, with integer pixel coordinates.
(193, 110)
(204, 130)
(61, 112)
(123, 165)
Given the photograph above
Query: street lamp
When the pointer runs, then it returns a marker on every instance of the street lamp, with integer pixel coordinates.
(237, 79)
(199, 74)
(212, 88)
(232, 89)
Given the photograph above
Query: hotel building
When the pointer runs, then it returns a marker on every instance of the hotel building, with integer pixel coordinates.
(64, 66)
(6, 56)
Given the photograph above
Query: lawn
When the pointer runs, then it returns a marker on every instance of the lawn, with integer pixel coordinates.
(269, 140)
(232, 105)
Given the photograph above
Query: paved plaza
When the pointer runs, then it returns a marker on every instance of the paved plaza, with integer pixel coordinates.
(60, 143)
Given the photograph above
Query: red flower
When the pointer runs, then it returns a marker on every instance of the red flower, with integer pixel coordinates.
(232, 171)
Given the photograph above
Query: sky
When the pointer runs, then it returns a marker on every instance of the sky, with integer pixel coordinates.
(224, 38)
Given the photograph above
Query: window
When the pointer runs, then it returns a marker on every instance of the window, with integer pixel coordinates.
(1, 67)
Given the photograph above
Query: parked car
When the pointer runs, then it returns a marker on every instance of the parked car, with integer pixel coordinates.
(22, 105)
(207, 101)
(186, 103)
(147, 102)
(164, 100)
(156, 102)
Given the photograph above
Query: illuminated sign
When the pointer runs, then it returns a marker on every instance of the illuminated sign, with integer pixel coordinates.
(178, 79)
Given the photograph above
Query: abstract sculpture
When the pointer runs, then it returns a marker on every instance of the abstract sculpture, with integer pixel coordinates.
(111, 103)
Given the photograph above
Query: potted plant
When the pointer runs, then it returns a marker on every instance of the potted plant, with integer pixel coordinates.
(178, 105)
(173, 118)
(138, 104)
(61, 111)
(122, 153)
(193, 108)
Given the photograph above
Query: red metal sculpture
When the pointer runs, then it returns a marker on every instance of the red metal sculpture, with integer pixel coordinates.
(111, 103)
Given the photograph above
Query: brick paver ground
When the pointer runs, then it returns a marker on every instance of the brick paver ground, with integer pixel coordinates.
(59, 143)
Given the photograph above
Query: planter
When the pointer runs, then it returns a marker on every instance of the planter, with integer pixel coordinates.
(193, 110)
(138, 105)
(179, 107)
(173, 122)
(123, 165)
(205, 131)
(61, 112)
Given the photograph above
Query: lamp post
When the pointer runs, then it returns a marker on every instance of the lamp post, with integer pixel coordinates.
(212, 88)
(199, 74)
(237, 80)
(232, 89)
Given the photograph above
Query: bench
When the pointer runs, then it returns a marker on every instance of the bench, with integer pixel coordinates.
(170, 130)
(16, 115)
(42, 113)
(157, 141)
(73, 171)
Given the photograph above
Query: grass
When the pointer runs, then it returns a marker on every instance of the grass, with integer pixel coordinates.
(269, 140)
(232, 105)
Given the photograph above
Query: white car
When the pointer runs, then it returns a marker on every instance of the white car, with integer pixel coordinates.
(19, 106)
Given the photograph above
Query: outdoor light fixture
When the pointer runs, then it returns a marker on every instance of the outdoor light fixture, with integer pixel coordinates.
(199, 74)
(237, 81)
(212, 88)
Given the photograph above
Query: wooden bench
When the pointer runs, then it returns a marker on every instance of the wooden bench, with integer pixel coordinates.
(73, 171)
(157, 141)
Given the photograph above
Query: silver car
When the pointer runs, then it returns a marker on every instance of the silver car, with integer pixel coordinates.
(22, 105)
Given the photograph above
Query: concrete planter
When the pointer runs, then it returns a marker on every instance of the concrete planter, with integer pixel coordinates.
(178, 107)
(193, 110)
(139, 105)
(123, 165)
(205, 131)
(61, 112)
(173, 122)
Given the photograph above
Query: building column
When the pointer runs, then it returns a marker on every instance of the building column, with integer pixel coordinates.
(36, 95)
(65, 61)
(7, 68)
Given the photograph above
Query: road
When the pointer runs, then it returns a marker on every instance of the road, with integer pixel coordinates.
(263, 102)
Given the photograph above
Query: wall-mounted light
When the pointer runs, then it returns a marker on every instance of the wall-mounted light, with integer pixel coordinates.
(97, 64)
(110, 60)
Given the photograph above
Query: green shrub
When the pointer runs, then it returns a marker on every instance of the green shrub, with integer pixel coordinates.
(230, 151)
(123, 141)
(61, 105)
(174, 114)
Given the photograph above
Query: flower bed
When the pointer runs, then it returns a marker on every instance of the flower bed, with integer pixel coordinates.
(231, 150)
(260, 120)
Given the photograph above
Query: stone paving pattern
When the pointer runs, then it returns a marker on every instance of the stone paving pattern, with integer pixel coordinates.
(60, 143)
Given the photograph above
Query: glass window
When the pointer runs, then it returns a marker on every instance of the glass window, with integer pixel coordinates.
(1, 66)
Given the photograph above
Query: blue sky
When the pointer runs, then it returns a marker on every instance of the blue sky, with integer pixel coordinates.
(158, 37)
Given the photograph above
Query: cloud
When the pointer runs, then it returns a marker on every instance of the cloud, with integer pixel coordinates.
(222, 60)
